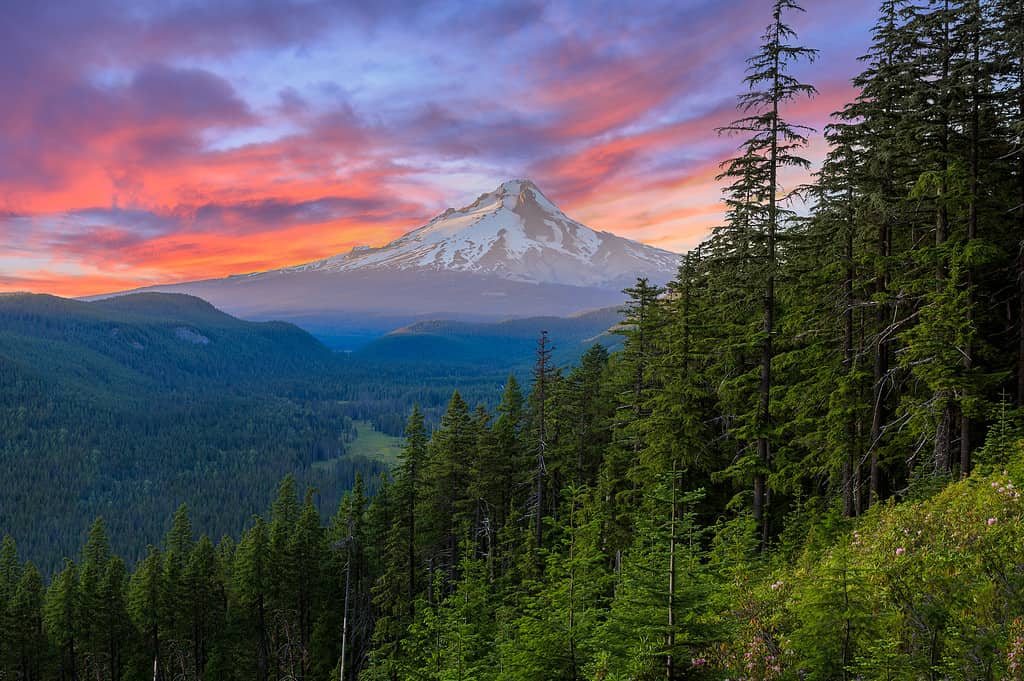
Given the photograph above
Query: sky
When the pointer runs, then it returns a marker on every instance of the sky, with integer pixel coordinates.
(165, 141)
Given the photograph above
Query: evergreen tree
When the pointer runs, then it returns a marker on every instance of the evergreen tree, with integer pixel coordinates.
(408, 483)
(552, 638)
(283, 580)
(203, 603)
(544, 375)
(252, 578)
(220, 663)
(773, 144)
(307, 551)
(1009, 59)
(10, 575)
(398, 586)
(876, 125)
(116, 621)
(27, 639)
(675, 425)
(508, 493)
(95, 644)
(147, 600)
(347, 536)
(824, 373)
(62, 616)
(635, 382)
(445, 510)
(659, 619)
(587, 411)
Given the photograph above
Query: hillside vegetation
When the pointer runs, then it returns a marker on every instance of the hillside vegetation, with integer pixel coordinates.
(127, 407)
(805, 461)
(504, 346)
(130, 406)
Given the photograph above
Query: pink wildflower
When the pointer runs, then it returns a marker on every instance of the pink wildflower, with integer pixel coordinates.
(1015, 651)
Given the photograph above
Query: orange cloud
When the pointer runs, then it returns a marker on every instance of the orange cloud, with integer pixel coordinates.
(121, 167)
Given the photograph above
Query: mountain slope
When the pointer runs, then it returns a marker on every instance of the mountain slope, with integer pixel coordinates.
(516, 233)
(127, 407)
(511, 253)
(147, 339)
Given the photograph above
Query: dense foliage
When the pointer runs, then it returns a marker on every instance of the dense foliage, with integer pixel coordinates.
(806, 461)
(130, 406)
(431, 580)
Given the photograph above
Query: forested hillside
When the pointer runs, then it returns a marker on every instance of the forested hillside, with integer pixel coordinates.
(500, 346)
(804, 463)
(129, 406)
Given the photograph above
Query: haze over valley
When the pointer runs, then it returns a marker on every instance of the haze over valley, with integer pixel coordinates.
(512, 341)
(510, 254)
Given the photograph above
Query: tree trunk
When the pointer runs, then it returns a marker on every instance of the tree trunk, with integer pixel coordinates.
(542, 370)
(1020, 230)
(158, 671)
(411, 539)
(881, 364)
(263, 653)
(943, 460)
(972, 231)
(344, 621)
(761, 498)
(670, 642)
(850, 490)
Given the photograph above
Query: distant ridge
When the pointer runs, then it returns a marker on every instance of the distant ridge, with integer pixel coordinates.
(508, 344)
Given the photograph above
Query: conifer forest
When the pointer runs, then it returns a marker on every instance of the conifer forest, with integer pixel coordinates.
(804, 460)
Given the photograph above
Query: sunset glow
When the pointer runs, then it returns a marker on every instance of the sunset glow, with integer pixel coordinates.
(158, 142)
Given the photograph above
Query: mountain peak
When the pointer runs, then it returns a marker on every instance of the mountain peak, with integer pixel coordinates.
(516, 186)
(510, 253)
(513, 232)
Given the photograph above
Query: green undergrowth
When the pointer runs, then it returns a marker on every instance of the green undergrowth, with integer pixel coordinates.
(925, 589)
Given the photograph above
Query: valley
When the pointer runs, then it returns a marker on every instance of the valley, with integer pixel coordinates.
(157, 391)
(285, 426)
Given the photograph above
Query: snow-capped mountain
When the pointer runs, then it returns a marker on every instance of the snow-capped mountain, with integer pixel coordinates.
(517, 233)
(510, 254)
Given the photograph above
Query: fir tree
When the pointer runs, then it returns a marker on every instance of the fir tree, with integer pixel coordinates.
(773, 144)
(27, 639)
(10, 575)
(252, 575)
(147, 599)
(62, 616)
(544, 373)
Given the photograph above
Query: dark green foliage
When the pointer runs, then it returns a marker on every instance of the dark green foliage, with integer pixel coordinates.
(490, 346)
(778, 475)
(129, 407)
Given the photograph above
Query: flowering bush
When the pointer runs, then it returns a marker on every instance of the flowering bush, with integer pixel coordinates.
(918, 590)
(1015, 652)
(758, 656)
